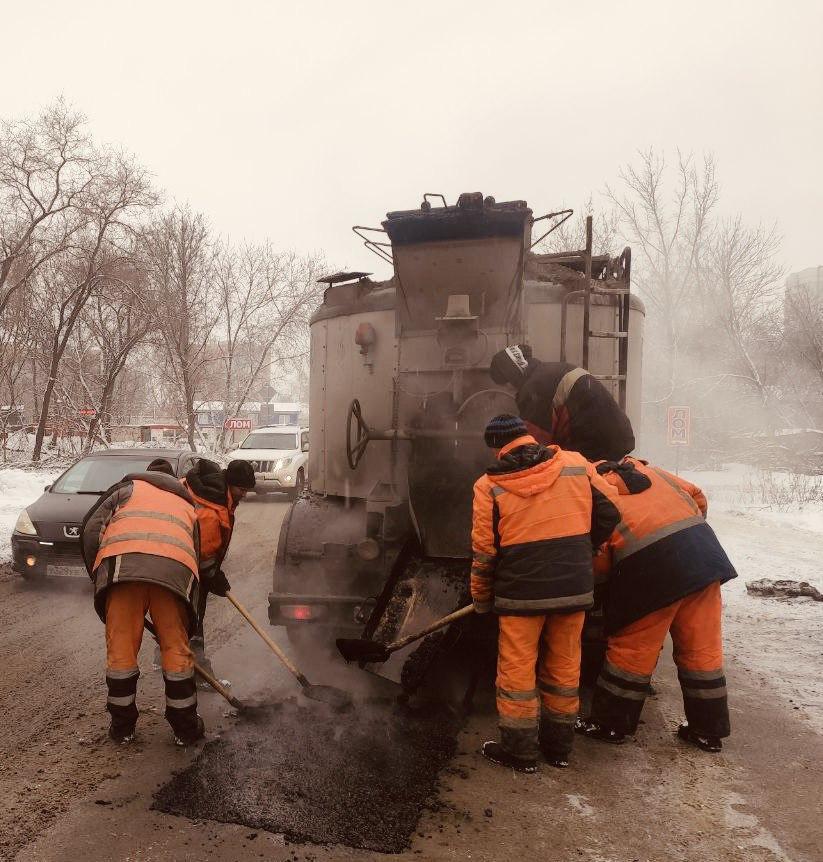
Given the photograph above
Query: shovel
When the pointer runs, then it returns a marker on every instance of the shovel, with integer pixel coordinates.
(362, 650)
(205, 675)
(327, 694)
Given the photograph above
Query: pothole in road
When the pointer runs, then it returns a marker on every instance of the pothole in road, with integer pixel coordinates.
(360, 778)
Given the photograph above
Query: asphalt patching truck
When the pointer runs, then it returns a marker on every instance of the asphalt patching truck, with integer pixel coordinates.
(379, 544)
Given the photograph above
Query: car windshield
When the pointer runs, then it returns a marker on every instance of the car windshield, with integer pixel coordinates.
(266, 440)
(95, 475)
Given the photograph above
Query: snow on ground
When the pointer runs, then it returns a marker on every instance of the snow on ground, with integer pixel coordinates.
(771, 525)
(18, 488)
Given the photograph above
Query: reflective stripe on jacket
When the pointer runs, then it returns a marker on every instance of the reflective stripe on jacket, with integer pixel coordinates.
(662, 549)
(535, 517)
(669, 505)
(152, 521)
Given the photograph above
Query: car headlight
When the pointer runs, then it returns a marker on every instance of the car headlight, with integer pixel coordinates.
(283, 462)
(24, 524)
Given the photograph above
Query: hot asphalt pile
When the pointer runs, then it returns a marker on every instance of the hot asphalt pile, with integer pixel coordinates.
(360, 778)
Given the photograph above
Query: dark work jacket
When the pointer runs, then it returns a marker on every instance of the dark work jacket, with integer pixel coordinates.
(574, 410)
(663, 550)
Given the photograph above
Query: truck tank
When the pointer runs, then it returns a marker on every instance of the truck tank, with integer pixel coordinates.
(400, 393)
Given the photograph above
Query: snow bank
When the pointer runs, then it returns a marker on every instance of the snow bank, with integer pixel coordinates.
(765, 497)
(18, 488)
(771, 525)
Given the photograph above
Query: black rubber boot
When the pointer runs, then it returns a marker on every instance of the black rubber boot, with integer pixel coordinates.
(558, 761)
(705, 743)
(555, 740)
(495, 752)
(121, 735)
(197, 732)
(181, 707)
(121, 705)
(595, 730)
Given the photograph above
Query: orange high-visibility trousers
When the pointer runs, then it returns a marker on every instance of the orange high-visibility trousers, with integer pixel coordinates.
(126, 606)
(538, 654)
(695, 623)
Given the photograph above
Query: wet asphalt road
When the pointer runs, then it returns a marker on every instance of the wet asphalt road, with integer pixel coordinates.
(67, 793)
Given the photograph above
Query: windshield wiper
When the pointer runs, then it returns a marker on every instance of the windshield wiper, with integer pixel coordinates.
(96, 493)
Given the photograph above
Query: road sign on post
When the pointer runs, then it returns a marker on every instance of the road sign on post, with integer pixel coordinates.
(237, 425)
(87, 411)
(679, 426)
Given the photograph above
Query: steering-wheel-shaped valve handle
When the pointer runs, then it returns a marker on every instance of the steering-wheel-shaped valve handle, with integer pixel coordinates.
(356, 448)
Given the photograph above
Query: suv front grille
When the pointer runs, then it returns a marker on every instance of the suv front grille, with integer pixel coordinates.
(262, 466)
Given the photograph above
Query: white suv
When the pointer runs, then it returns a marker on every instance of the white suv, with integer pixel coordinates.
(279, 456)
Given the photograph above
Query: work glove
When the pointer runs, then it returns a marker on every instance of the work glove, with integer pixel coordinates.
(219, 583)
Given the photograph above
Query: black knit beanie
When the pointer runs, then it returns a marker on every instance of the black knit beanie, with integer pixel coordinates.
(511, 365)
(503, 429)
(240, 474)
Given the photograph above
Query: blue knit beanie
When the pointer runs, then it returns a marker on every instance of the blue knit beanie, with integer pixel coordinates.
(503, 429)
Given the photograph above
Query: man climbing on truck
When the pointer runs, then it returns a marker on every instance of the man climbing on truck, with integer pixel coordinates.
(565, 405)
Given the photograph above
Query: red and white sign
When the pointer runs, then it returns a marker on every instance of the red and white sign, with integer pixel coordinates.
(679, 431)
(87, 411)
(237, 425)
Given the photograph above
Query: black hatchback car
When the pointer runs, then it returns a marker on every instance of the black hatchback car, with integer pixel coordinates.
(47, 532)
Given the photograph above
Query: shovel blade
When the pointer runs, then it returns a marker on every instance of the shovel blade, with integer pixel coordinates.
(360, 649)
(328, 694)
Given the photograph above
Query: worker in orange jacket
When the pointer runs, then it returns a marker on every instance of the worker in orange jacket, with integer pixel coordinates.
(216, 494)
(666, 570)
(141, 546)
(537, 513)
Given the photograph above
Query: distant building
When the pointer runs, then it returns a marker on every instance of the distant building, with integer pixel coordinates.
(809, 281)
(281, 413)
(165, 431)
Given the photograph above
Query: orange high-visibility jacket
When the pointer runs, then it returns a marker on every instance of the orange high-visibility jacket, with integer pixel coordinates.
(669, 505)
(536, 515)
(152, 521)
(216, 525)
(662, 549)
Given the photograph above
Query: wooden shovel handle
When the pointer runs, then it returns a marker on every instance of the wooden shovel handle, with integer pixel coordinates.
(439, 624)
(217, 686)
(204, 674)
(269, 642)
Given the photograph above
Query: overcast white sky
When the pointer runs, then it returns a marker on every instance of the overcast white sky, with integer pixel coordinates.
(297, 120)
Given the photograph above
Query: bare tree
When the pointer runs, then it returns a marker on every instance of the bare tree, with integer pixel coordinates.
(668, 222)
(804, 328)
(119, 193)
(180, 257)
(266, 298)
(743, 281)
(17, 333)
(113, 323)
(48, 170)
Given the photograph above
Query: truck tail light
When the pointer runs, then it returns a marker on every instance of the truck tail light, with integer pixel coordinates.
(298, 612)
